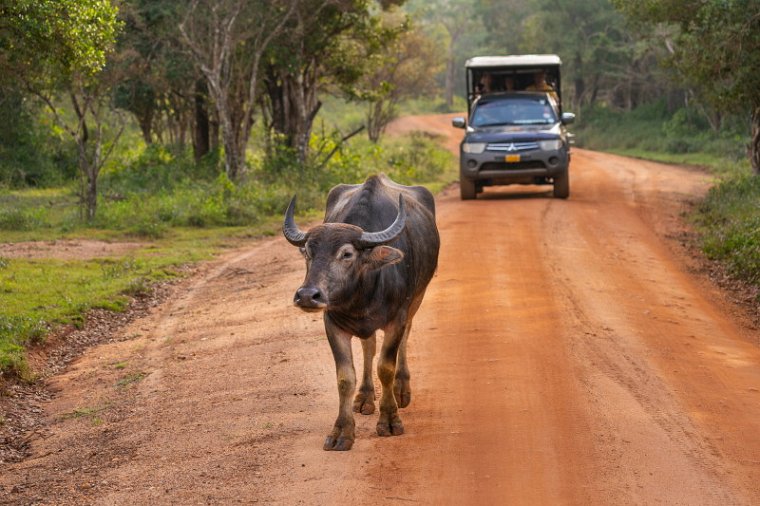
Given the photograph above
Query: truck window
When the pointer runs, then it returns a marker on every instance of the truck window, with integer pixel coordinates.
(513, 111)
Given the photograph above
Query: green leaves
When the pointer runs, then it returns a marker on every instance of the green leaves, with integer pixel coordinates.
(48, 39)
(715, 48)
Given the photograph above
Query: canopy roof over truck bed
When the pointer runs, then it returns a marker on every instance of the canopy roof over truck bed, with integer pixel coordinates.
(517, 60)
(517, 69)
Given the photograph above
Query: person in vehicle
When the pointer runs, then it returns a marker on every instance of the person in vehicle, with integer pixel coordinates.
(485, 85)
(540, 84)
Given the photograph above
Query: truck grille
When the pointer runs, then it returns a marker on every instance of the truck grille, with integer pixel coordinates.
(533, 164)
(512, 147)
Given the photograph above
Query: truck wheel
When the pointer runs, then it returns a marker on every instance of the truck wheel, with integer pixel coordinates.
(562, 185)
(466, 189)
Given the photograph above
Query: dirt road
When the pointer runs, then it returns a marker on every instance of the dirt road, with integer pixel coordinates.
(564, 355)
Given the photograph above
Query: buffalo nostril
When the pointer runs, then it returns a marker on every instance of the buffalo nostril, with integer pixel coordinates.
(309, 295)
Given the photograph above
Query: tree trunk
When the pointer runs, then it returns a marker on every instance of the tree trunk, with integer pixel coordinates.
(201, 126)
(754, 148)
(232, 160)
(579, 83)
(89, 174)
(373, 120)
(293, 104)
(146, 126)
(91, 195)
(450, 76)
(214, 133)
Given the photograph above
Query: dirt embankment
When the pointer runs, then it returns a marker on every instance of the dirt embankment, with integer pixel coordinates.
(564, 354)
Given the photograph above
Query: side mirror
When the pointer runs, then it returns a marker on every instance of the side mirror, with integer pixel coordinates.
(458, 122)
(568, 117)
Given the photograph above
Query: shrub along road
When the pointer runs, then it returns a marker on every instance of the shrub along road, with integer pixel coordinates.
(566, 353)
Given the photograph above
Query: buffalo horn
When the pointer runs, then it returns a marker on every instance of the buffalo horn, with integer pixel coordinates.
(370, 239)
(292, 233)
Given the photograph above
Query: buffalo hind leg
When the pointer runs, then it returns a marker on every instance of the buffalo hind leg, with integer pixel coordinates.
(402, 389)
(364, 402)
(389, 423)
(342, 436)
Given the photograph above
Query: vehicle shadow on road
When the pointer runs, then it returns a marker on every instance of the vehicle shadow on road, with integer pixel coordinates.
(515, 193)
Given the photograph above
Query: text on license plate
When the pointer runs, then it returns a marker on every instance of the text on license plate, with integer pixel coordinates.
(512, 158)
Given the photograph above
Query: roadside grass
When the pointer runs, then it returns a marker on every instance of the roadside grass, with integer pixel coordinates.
(182, 213)
(37, 295)
(728, 218)
(729, 222)
(91, 413)
(716, 164)
(131, 379)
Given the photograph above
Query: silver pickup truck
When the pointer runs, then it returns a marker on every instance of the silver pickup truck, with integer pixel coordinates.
(515, 131)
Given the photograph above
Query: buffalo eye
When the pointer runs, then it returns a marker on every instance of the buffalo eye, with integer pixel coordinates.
(346, 253)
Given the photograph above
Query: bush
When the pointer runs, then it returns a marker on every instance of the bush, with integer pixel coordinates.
(651, 128)
(729, 220)
(22, 219)
(200, 202)
(31, 152)
(15, 333)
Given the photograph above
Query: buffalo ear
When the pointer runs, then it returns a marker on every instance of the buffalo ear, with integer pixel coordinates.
(383, 256)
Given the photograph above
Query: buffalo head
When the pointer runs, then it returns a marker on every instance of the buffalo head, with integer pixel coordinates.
(338, 258)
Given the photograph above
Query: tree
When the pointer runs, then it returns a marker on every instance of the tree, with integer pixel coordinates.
(325, 43)
(458, 27)
(164, 90)
(61, 46)
(603, 61)
(715, 48)
(404, 69)
(47, 40)
(227, 40)
(93, 130)
(461, 26)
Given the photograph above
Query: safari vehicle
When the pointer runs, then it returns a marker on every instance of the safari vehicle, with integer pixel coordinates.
(515, 128)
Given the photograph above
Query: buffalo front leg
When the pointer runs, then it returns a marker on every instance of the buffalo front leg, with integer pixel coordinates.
(389, 423)
(364, 402)
(341, 438)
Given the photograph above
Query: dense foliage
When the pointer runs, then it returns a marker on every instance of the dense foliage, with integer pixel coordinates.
(715, 47)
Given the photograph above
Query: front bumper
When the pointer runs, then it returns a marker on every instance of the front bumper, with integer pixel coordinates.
(506, 168)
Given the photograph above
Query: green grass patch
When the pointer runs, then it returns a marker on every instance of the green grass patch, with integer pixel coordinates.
(87, 412)
(729, 222)
(38, 295)
(130, 379)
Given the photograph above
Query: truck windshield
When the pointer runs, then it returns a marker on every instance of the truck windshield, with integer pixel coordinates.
(513, 111)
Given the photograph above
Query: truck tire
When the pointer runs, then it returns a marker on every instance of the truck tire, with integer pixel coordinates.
(562, 185)
(467, 189)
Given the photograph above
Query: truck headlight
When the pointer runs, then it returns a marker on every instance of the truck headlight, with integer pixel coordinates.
(474, 147)
(552, 145)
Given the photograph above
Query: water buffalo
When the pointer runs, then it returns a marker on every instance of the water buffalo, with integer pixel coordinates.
(367, 267)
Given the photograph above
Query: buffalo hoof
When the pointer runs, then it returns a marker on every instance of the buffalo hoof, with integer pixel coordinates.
(402, 391)
(390, 426)
(364, 403)
(338, 444)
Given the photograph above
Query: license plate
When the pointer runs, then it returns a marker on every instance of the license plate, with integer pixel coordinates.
(512, 158)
